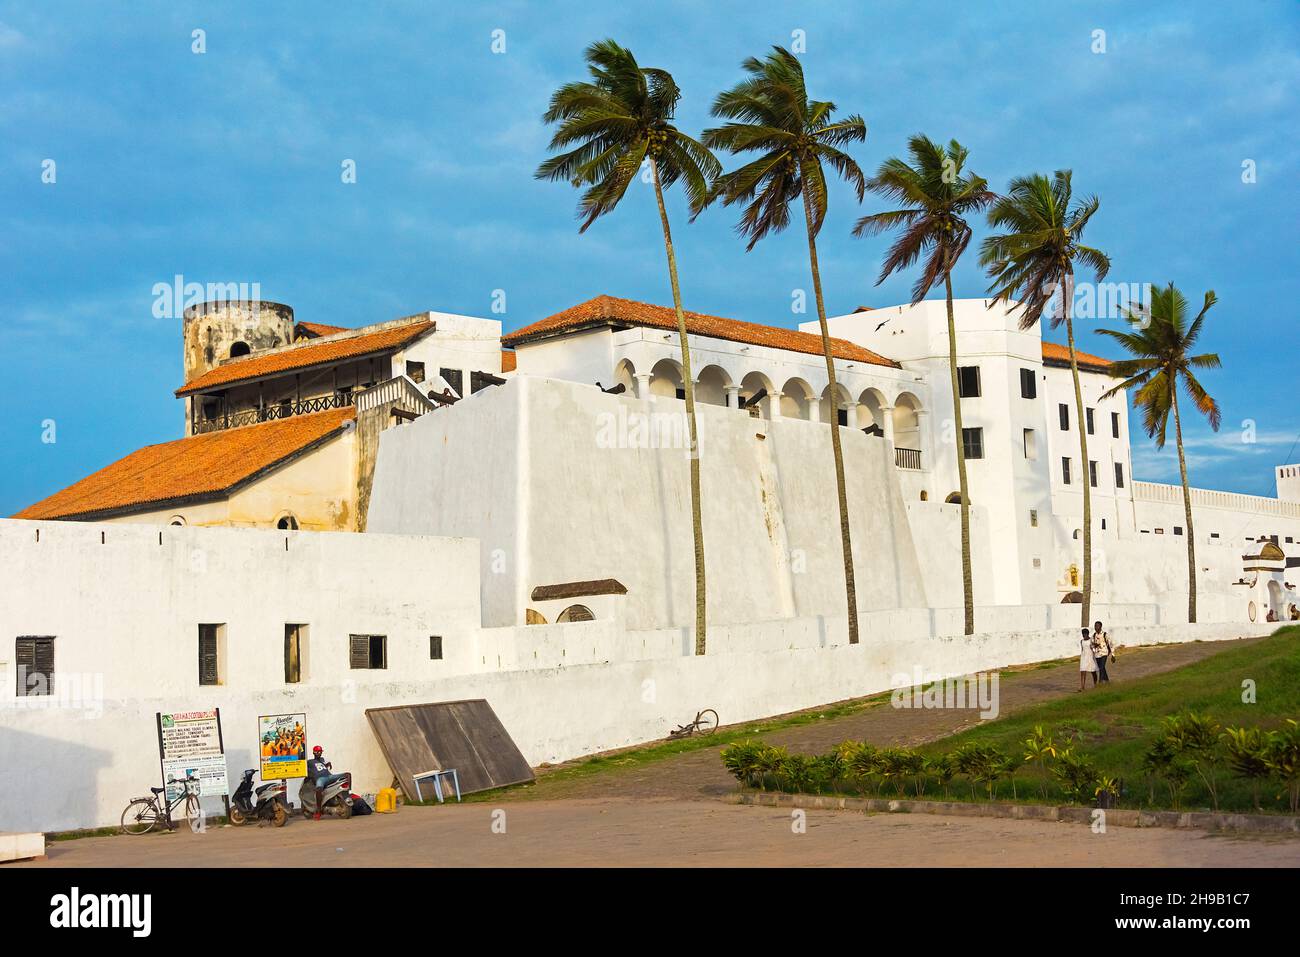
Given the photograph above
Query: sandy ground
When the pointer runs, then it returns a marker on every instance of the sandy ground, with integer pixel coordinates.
(653, 833)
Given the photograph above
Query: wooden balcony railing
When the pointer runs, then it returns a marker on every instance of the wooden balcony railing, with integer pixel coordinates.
(231, 420)
(907, 458)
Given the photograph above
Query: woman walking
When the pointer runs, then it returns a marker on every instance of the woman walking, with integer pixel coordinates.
(1101, 650)
(1087, 663)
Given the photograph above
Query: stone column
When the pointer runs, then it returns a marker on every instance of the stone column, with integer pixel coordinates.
(774, 404)
(643, 385)
(733, 397)
(852, 415)
(887, 425)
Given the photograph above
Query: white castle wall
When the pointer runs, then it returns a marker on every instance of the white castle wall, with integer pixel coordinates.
(559, 484)
(124, 603)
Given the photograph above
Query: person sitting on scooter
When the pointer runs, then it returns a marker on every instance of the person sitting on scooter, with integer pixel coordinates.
(318, 769)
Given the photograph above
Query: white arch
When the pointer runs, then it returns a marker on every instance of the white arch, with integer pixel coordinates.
(907, 422)
(711, 385)
(871, 405)
(750, 386)
(796, 399)
(666, 379)
(832, 409)
(625, 375)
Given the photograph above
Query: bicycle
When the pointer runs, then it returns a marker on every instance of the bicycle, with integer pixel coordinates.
(706, 722)
(144, 813)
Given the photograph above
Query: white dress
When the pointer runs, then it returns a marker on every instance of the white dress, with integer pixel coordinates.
(1086, 661)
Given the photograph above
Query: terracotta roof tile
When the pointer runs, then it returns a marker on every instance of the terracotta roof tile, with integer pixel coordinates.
(609, 310)
(307, 356)
(1055, 352)
(320, 328)
(205, 465)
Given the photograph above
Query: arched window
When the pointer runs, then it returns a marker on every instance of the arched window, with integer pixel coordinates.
(925, 496)
(239, 349)
(953, 499)
(1073, 598)
(576, 613)
(534, 617)
(177, 520)
(287, 522)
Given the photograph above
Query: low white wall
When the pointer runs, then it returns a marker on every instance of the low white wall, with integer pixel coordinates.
(123, 603)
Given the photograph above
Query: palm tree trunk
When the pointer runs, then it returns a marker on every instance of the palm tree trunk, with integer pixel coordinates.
(846, 543)
(1086, 470)
(697, 522)
(967, 579)
(1187, 507)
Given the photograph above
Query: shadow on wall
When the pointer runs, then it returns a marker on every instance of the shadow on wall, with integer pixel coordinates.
(45, 797)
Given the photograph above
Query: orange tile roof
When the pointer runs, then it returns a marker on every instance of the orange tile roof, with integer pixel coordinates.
(304, 357)
(201, 466)
(320, 328)
(610, 310)
(509, 360)
(1055, 352)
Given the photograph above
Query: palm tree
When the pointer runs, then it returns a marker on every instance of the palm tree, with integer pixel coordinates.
(770, 113)
(1161, 344)
(1030, 262)
(609, 127)
(935, 196)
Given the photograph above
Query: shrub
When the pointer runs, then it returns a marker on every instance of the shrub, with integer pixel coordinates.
(943, 768)
(1247, 750)
(1040, 750)
(1195, 737)
(743, 760)
(1076, 775)
(1283, 759)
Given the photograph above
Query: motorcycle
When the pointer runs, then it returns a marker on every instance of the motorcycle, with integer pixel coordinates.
(336, 797)
(269, 805)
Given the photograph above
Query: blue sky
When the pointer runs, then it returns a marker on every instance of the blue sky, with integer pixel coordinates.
(225, 167)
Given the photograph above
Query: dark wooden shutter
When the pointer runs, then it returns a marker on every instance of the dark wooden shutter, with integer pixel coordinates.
(435, 647)
(454, 379)
(34, 666)
(292, 654)
(359, 651)
(208, 655)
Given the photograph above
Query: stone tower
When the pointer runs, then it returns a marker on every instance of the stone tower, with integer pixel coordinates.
(216, 331)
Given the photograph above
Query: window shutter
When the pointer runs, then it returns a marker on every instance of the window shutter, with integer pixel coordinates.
(359, 651)
(292, 655)
(207, 655)
(34, 666)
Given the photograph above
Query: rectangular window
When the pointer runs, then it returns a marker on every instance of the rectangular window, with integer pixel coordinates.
(368, 651)
(1033, 518)
(1031, 444)
(212, 641)
(435, 647)
(1088, 413)
(415, 371)
(454, 379)
(1119, 474)
(34, 665)
(1028, 384)
(1216, 535)
(1038, 563)
(1178, 529)
(972, 441)
(1065, 470)
(1160, 531)
(1064, 411)
(1114, 424)
(295, 649)
(1103, 525)
(1092, 472)
(968, 382)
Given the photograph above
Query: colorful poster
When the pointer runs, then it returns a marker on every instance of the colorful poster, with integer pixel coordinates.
(190, 743)
(282, 744)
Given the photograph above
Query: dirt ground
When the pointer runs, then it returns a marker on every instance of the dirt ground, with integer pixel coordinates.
(655, 833)
(676, 812)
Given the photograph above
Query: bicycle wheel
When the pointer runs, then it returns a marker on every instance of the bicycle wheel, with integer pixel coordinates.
(707, 721)
(194, 814)
(140, 816)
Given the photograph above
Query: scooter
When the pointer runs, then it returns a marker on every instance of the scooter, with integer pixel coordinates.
(270, 804)
(336, 797)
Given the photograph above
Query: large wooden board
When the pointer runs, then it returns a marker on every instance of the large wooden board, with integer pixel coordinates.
(465, 735)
